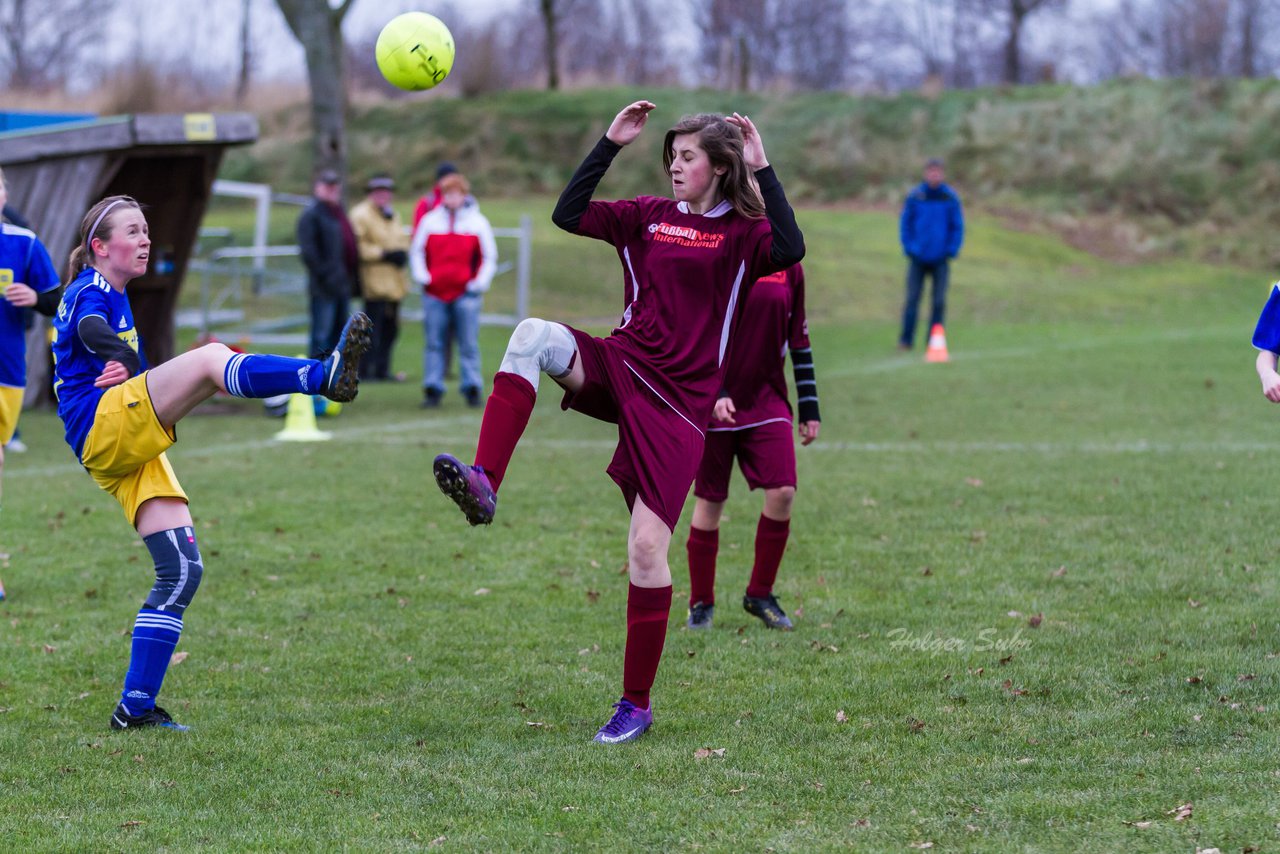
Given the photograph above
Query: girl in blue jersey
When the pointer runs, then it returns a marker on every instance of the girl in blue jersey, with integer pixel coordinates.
(27, 280)
(120, 417)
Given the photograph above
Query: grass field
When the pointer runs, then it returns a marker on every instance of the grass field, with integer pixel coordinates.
(366, 672)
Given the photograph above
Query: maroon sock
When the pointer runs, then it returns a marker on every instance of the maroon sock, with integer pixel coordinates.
(771, 542)
(702, 548)
(647, 611)
(506, 414)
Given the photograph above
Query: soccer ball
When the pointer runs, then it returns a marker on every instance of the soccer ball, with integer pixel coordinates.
(415, 51)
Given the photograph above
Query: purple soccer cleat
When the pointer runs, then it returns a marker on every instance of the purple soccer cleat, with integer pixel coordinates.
(627, 724)
(469, 488)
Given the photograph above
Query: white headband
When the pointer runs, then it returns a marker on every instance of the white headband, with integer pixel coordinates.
(97, 222)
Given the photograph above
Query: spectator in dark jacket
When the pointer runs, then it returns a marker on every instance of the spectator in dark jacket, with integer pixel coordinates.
(932, 230)
(328, 246)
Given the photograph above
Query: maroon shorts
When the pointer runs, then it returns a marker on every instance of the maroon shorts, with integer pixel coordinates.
(766, 455)
(658, 448)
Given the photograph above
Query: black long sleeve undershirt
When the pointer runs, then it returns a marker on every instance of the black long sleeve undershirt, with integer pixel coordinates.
(100, 340)
(47, 302)
(788, 241)
(573, 202)
(806, 384)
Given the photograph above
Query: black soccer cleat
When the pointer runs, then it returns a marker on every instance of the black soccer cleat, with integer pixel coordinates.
(120, 719)
(342, 365)
(768, 610)
(700, 615)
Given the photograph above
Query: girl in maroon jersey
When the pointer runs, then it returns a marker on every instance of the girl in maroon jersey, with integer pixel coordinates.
(752, 421)
(687, 263)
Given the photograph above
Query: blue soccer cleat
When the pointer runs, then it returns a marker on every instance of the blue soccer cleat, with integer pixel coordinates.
(342, 365)
(628, 723)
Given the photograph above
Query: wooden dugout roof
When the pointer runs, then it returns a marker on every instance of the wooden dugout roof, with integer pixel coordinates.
(166, 161)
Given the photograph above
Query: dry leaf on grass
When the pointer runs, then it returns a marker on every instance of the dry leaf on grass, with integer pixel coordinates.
(921, 845)
(1181, 812)
(707, 752)
(841, 717)
(1035, 620)
(178, 657)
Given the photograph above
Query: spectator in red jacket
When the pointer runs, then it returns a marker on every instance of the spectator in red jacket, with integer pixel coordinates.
(431, 199)
(453, 256)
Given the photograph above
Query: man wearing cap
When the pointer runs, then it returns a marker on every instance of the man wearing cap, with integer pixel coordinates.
(383, 246)
(932, 230)
(328, 246)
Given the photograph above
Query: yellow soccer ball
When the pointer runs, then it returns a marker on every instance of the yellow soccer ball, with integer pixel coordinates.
(415, 51)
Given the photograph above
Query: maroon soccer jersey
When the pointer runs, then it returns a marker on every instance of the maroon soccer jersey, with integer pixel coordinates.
(772, 322)
(684, 275)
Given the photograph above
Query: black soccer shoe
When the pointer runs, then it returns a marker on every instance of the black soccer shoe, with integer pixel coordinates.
(120, 719)
(768, 610)
(342, 365)
(700, 615)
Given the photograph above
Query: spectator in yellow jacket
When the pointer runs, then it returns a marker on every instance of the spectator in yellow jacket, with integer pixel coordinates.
(383, 248)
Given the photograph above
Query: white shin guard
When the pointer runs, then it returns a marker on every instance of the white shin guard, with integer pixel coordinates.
(538, 346)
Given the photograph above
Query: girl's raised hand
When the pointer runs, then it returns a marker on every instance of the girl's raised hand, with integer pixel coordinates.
(752, 146)
(628, 123)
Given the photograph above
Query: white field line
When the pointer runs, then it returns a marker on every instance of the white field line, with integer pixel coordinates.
(392, 433)
(398, 433)
(1171, 336)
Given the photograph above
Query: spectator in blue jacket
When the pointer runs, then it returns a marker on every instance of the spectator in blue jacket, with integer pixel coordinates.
(932, 229)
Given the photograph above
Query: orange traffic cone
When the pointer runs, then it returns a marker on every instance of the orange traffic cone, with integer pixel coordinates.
(937, 350)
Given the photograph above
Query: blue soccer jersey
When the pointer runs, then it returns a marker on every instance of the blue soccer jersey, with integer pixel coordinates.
(1266, 336)
(75, 366)
(23, 259)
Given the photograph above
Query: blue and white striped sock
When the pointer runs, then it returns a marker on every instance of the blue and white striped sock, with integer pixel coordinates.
(261, 375)
(155, 634)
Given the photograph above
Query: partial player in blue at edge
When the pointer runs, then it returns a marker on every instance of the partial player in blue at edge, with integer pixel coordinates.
(1266, 337)
(120, 418)
(27, 280)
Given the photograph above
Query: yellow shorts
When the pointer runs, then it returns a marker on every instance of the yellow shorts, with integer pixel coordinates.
(124, 451)
(10, 409)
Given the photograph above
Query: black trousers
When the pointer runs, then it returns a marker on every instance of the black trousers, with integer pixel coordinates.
(385, 315)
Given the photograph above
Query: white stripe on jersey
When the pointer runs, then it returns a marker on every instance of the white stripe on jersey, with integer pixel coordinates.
(728, 315)
(635, 288)
(747, 426)
(663, 399)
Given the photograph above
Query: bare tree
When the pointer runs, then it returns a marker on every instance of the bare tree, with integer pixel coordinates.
(37, 36)
(819, 43)
(1016, 13)
(925, 26)
(318, 26)
(740, 40)
(246, 54)
(551, 10)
